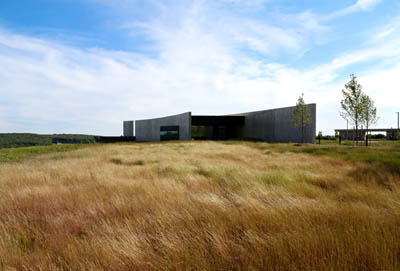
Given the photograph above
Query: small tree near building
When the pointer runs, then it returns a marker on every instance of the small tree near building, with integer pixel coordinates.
(368, 114)
(319, 137)
(301, 116)
(352, 103)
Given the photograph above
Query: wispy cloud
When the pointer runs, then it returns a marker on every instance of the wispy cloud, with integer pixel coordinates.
(360, 5)
(389, 31)
(201, 62)
(290, 34)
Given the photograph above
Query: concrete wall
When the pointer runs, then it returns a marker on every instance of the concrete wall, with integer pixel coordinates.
(128, 128)
(276, 125)
(149, 129)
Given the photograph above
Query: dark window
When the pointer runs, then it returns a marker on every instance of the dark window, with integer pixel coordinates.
(169, 133)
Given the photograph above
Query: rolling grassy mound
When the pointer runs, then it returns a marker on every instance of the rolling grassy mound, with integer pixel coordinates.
(13, 140)
(202, 206)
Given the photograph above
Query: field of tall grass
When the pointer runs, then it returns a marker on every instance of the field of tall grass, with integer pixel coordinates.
(202, 206)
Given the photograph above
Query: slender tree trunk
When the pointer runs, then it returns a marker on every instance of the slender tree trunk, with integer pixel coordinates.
(356, 130)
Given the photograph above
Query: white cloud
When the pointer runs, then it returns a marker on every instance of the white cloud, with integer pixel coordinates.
(360, 5)
(92, 91)
(201, 64)
(389, 31)
(253, 3)
(365, 4)
(232, 30)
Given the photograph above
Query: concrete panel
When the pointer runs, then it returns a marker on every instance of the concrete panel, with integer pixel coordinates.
(149, 129)
(128, 128)
(276, 125)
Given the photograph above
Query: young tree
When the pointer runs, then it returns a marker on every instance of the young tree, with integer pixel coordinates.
(352, 103)
(368, 114)
(301, 116)
(319, 137)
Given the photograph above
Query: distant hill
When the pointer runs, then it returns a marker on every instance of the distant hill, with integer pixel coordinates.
(13, 140)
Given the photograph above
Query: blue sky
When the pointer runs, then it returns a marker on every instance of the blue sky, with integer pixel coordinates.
(69, 66)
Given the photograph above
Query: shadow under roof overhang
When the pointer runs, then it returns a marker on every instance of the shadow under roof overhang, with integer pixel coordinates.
(217, 120)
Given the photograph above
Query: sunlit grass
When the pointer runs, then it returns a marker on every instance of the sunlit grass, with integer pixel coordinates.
(383, 154)
(201, 206)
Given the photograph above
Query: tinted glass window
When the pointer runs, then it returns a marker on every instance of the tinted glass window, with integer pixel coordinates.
(169, 133)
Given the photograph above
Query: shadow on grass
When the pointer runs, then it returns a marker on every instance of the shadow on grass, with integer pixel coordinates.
(118, 161)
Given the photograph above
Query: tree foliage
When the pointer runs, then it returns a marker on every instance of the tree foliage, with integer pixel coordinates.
(368, 114)
(357, 107)
(301, 116)
(352, 103)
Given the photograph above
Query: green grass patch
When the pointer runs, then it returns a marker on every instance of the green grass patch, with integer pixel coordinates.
(379, 153)
(389, 157)
(15, 154)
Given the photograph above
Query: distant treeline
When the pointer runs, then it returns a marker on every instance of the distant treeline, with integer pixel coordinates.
(377, 136)
(327, 137)
(23, 140)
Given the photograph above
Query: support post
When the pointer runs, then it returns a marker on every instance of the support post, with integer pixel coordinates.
(397, 126)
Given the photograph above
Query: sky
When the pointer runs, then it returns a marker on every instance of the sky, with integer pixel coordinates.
(84, 66)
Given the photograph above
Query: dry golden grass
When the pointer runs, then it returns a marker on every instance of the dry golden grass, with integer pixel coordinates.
(196, 206)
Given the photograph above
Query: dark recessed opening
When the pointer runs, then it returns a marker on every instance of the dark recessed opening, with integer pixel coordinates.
(216, 127)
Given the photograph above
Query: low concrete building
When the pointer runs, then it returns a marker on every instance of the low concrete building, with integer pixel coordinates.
(274, 125)
(351, 134)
